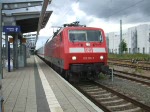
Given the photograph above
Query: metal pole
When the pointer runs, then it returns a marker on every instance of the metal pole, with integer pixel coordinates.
(3, 60)
(14, 52)
(25, 54)
(149, 47)
(8, 56)
(6, 45)
(1, 104)
(112, 75)
(1, 67)
(120, 35)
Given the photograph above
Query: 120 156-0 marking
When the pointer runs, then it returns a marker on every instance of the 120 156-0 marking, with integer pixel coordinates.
(88, 58)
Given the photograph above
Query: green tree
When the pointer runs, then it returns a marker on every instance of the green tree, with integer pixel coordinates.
(123, 46)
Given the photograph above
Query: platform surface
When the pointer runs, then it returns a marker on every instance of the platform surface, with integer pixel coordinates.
(38, 88)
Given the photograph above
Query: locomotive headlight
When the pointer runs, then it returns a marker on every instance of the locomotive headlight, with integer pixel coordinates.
(101, 57)
(87, 44)
(74, 57)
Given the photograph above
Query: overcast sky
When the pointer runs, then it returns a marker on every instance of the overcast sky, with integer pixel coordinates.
(105, 14)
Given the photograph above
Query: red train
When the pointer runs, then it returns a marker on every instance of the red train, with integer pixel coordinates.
(77, 52)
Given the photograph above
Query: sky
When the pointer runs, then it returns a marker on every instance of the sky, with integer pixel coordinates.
(105, 14)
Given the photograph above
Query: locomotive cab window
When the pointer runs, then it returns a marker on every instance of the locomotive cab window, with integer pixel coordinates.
(77, 36)
(87, 35)
(94, 36)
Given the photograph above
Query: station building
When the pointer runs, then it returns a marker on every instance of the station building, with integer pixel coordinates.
(137, 39)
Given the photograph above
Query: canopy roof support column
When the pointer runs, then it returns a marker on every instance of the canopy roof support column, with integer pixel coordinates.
(1, 66)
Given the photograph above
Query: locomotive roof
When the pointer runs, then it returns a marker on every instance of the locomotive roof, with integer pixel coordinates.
(71, 26)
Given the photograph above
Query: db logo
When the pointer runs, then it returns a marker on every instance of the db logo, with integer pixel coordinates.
(89, 50)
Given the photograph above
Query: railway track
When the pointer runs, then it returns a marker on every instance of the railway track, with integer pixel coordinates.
(130, 61)
(133, 77)
(132, 65)
(109, 99)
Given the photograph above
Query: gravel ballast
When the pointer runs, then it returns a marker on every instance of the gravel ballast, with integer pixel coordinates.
(135, 90)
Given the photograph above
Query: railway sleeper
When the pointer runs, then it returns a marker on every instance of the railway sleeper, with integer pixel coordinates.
(97, 92)
(108, 98)
(120, 106)
(113, 101)
(128, 107)
(89, 86)
(137, 109)
(102, 95)
(92, 90)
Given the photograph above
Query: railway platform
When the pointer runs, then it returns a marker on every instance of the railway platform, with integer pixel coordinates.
(38, 88)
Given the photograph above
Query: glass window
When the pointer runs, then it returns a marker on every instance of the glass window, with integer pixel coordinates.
(77, 35)
(94, 36)
(86, 35)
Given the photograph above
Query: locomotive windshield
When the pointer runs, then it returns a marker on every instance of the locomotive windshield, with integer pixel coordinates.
(85, 35)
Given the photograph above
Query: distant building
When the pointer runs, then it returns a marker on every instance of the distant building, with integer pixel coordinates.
(132, 40)
(143, 35)
(30, 42)
(137, 39)
(30, 39)
(113, 43)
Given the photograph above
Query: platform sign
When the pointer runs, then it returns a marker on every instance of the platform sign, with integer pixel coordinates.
(11, 29)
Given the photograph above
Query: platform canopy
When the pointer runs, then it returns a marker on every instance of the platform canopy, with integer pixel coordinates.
(26, 14)
(14, 4)
(28, 21)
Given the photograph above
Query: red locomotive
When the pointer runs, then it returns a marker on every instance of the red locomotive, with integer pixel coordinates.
(77, 52)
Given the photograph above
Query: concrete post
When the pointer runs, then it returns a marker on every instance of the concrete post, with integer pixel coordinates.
(16, 51)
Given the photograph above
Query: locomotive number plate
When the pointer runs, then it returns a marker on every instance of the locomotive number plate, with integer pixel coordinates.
(88, 58)
(88, 50)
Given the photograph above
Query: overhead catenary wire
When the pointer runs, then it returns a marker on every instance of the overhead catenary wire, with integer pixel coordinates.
(123, 17)
(120, 11)
(68, 10)
(141, 18)
(116, 12)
